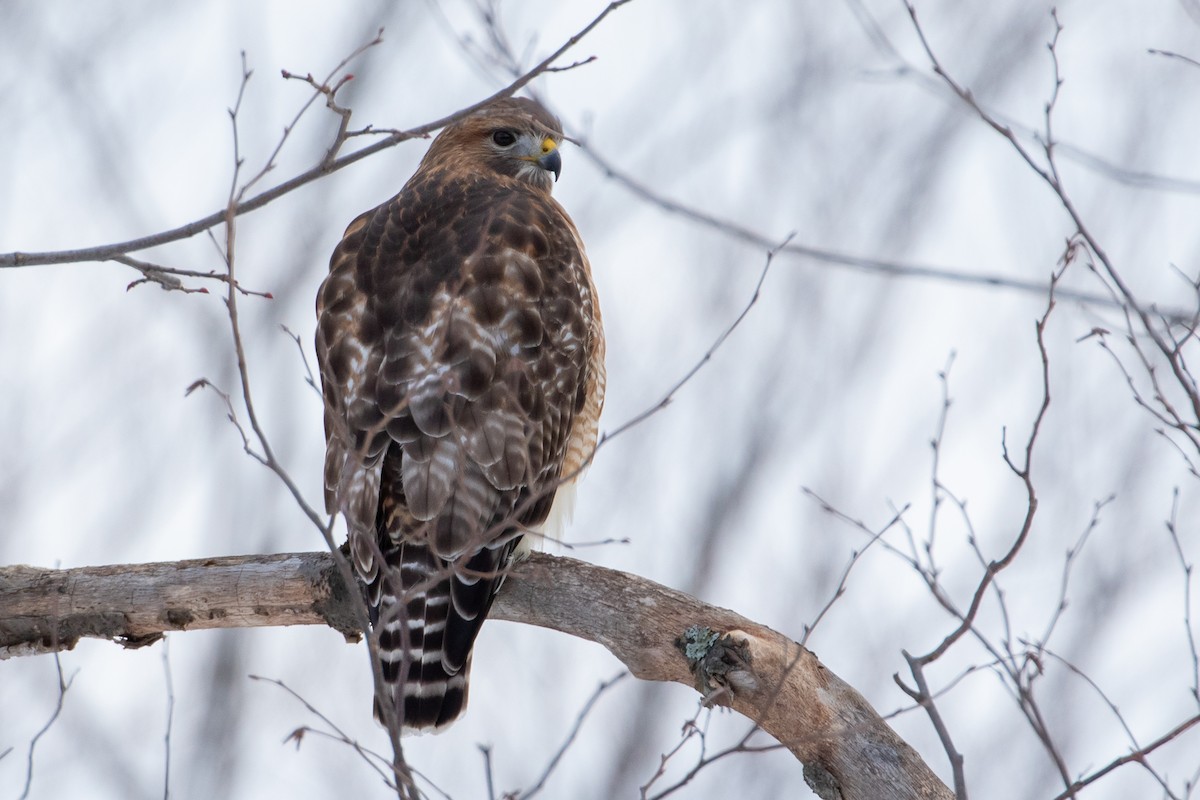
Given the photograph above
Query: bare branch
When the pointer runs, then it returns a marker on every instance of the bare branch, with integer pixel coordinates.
(1133, 741)
(690, 730)
(166, 662)
(168, 277)
(583, 712)
(1069, 562)
(372, 759)
(669, 396)
(1147, 318)
(322, 89)
(855, 556)
(924, 698)
(781, 687)
(938, 492)
(1186, 566)
(404, 786)
(1024, 473)
(230, 413)
(503, 55)
(1135, 757)
(50, 610)
(63, 686)
(486, 752)
(107, 251)
(706, 760)
(960, 275)
(1178, 56)
(309, 378)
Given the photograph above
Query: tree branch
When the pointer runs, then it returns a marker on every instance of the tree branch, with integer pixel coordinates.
(325, 167)
(658, 633)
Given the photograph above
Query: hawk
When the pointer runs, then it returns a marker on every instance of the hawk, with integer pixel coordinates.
(462, 362)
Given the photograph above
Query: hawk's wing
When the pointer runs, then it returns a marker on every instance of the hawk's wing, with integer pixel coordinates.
(461, 356)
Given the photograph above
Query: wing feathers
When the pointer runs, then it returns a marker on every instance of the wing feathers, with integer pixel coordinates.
(459, 342)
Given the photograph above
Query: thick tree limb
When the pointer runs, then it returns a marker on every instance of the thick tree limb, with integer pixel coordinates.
(849, 752)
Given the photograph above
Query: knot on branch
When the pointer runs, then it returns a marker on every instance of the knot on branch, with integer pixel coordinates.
(823, 782)
(719, 663)
(138, 641)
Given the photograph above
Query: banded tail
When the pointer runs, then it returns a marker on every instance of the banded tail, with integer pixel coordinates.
(427, 625)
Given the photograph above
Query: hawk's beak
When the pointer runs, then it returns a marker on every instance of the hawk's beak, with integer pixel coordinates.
(550, 159)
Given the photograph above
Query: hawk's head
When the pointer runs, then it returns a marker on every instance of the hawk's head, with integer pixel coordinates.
(514, 136)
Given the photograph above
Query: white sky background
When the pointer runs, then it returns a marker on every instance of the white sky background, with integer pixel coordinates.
(779, 116)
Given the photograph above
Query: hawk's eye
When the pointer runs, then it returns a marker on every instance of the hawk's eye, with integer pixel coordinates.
(504, 138)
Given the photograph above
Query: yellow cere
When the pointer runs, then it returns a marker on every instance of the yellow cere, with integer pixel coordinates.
(548, 145)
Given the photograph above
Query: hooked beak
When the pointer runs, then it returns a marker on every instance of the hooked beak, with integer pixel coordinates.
(550, 159)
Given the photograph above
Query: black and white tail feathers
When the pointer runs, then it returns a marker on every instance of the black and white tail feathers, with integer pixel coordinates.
(428, 613)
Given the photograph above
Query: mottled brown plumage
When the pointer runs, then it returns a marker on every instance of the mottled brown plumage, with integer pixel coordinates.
(462, 360)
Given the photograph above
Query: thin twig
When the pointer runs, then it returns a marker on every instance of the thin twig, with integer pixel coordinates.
(107, 251)
(230, 414)
(1186, 566)
(168, 277)
(946, 688)
(1179, 56)
(688, 731)
(166, 662)
(840, 588)
(1130, 305)
(405, 786)
(1024, 472)
(309, 378)
(897, 516)
(323, 89)
(583, 712)
(63, 686)
(867, 264)
(1133, 741)
(705, 760)
(1069, 561)
(489, 779)
(669, 396)
(937, 490)
(372, 758)
(1163, 340)
(924, 698)
(238, 161)
(1137, 756)
(498, 528)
